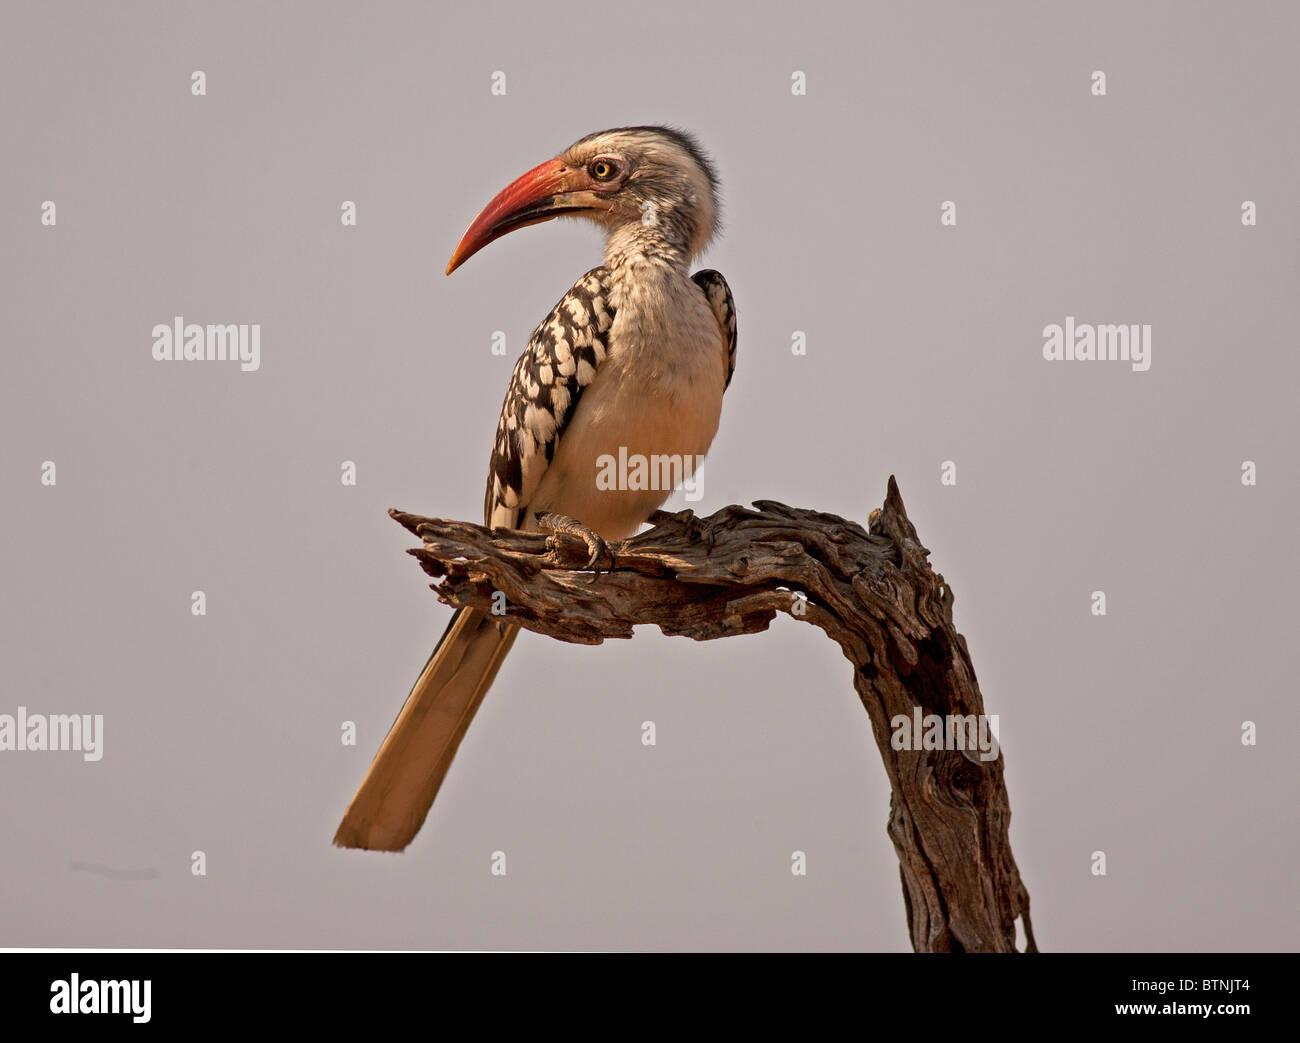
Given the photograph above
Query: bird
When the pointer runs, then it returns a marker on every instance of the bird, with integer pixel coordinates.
(634, 358)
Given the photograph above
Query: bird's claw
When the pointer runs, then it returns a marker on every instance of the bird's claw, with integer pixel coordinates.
(596, 544)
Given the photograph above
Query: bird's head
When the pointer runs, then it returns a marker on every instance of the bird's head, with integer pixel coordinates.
(652, 185)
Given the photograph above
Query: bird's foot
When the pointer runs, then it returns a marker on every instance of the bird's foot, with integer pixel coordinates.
(596, 544)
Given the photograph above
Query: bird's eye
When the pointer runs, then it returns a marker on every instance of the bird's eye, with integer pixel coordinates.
(603, 169)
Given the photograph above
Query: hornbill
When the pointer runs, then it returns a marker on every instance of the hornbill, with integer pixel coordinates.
(635, 357)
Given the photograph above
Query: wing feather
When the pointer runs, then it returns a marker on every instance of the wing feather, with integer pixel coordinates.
(561, 360)
(719, 297)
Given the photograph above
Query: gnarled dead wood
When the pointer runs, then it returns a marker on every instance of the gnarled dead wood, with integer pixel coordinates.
(872, 590)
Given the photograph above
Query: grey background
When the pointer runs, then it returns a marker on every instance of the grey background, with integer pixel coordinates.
(924, 344)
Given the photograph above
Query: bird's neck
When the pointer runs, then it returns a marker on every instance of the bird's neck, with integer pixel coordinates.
(662, 322)
(648, 250)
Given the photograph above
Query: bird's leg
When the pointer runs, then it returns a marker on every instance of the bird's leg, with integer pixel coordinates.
(595, 542)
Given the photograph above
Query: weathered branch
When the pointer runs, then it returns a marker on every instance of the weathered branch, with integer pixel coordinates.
(872, 591)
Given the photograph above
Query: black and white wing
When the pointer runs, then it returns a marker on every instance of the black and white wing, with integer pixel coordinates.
(718, 294)
(561, 360)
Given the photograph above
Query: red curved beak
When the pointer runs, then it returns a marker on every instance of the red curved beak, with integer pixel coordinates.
(537, 196)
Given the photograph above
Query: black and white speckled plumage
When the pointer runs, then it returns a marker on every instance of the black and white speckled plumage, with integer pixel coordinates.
(719, 295)
(561, 359)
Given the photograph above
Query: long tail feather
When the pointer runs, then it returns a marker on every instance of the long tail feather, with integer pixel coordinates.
(391, 804)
